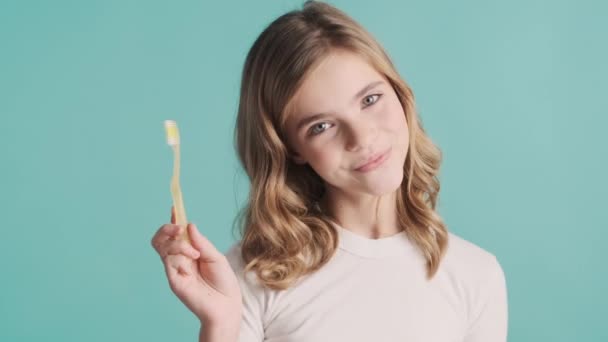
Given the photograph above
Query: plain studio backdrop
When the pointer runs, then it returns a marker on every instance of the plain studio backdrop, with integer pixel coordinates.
(513, 92)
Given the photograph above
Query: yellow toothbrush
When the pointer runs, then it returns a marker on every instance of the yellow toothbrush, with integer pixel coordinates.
(176, 192)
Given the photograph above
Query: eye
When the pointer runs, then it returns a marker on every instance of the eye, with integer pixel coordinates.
(318, 128)
(370, 99)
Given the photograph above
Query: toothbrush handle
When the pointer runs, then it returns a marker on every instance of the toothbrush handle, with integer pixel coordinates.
(176, 192)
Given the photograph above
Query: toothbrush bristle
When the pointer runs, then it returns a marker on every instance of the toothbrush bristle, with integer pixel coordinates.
(172, 132)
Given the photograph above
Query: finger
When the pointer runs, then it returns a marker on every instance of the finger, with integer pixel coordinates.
(164, 233)
(208, 252)
(179, 247)
(176, 266)
(173, 214)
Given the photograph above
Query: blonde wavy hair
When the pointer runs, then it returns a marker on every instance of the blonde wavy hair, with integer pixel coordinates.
(285, 233)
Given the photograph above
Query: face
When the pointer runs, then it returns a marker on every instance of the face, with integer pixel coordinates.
(347, 123)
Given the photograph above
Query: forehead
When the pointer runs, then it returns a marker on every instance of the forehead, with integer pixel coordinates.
(333, 83)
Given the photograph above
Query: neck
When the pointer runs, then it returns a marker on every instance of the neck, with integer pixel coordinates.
(371, 216)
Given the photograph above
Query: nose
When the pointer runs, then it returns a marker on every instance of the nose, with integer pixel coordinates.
(360, 135)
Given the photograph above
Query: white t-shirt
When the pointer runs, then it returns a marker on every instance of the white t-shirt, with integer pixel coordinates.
(376, 290)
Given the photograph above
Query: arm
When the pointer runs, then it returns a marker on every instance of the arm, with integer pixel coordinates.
(490, 321)
(250, 323)
(220, 333)
(245, 326)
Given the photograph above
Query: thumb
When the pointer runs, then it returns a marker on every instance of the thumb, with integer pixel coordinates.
(208, 251)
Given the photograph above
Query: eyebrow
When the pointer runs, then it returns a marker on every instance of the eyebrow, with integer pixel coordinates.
(305, 121)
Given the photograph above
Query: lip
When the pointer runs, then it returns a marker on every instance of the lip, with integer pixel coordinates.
(374, 162)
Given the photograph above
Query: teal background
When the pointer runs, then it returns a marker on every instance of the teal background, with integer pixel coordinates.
(513, 92)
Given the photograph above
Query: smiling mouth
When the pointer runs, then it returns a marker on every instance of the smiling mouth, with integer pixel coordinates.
(374, 163)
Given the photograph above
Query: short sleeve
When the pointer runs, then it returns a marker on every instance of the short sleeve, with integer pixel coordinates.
(489, 317)
(252, 328)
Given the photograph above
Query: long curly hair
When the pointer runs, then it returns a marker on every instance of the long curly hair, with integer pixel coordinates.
(285, 234)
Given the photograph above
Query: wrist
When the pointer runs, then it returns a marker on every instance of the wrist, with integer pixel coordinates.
(228, 317)
(227, 331)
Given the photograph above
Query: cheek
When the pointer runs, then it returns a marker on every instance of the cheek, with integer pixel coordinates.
(397, 125)
(403, 133)
(397, 117)
(324, 159)
(393, 118)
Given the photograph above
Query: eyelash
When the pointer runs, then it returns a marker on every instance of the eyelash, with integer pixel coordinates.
(378, 96)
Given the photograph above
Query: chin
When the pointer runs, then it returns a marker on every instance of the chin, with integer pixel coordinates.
(385, 183)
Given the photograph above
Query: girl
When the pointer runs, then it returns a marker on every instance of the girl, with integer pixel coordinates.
(340, 237)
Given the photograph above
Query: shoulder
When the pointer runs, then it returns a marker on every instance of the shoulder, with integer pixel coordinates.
(233, 255)
(235, 259)
(470, 262)
(248, 280)
(479, 278)
(254, 296)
